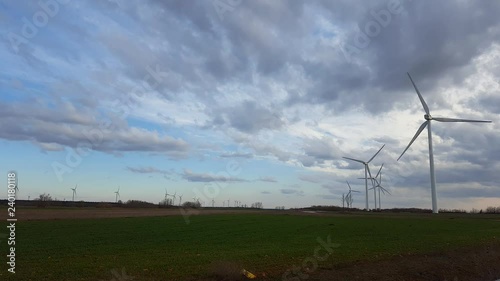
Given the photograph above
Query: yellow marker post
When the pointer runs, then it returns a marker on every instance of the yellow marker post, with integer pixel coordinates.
(248, 274)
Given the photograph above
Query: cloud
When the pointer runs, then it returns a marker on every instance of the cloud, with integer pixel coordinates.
(203, 177)
(71, 128)
(147, 170)
(310, 178)
(248, 117)
(288, 191)
(267, 179)
(236, 155)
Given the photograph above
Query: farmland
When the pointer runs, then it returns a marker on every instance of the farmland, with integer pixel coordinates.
(267, 243)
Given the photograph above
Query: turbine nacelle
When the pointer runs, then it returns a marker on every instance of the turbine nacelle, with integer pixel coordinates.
(427, 117)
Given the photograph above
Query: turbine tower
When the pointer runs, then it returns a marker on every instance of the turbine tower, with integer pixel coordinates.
(74, 192)
(367, 171)
(428, 118)
(117, 194)
(180, 199)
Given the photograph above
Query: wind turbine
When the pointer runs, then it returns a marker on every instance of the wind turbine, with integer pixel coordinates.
(367, 171)
(166, 197)
(180, 199)
(74, 192)
(174, 196)
(213, 203)
(374, 182)
(378, 185)
(348, 197)
(428, 118)
(117, 193)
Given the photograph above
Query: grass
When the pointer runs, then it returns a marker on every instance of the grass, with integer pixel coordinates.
(166, 248)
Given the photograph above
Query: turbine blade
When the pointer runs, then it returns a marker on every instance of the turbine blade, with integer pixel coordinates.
(354, 160)
(375, 154)
(422, 127)
(445, 119)
(426, 108)
(348, 185)
(385, 190)
(379, 171)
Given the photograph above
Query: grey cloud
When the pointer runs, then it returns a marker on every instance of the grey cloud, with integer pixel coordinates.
(236, 155)
(72, 128)
(147, 170)
(317, 151)
(288, 191)
(248, 117)
(267, 179)
(310, 178)
(203, 177)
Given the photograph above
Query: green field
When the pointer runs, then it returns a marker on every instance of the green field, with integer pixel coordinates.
(166, 248)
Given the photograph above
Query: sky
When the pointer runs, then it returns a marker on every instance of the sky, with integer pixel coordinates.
(255, 101)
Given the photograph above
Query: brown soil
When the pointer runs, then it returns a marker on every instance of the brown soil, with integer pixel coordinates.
(481, 263)
(28, 214)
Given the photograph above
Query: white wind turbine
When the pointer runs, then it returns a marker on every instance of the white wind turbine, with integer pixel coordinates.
(180, 199)
(74, 192)
(367, 171)
(428, 118)
(174, 196)
(378, 185)
(348, 197)
(117, 194)
(166, 197)
(374, 186)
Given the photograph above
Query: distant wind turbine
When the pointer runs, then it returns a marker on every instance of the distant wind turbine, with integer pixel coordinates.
(74, 192)
(378, 185)
(349, 195)
(428, 118)
(117, 193)
(367, 171)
